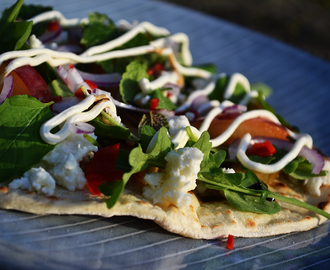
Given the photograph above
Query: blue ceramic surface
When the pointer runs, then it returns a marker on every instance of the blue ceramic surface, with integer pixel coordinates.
(301, 94)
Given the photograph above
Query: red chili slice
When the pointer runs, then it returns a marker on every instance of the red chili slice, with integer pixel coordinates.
(154, 103)
(230, 241)
(263, 149)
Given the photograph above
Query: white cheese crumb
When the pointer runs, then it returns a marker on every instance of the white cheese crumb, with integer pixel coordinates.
(36, 179)
(176, 123)
(314, 184)
(171, 186)
(228, 170)
(35, 43)
(63, 161)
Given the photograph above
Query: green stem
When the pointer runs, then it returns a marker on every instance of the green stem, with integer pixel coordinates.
(274, 195)
(299, 204)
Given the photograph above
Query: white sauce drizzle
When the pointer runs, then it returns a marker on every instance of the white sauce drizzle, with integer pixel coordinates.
(73, 115)
(272, 168)
(166, 77)
(56, 15)
(180, 38)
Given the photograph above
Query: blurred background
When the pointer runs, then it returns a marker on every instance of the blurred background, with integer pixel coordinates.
(302, 23)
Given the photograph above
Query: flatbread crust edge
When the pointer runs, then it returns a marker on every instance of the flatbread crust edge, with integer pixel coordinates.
(201, 220)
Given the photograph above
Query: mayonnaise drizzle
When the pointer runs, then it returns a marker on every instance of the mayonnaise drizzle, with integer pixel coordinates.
(166, 77)
(234, 125)
(73, 115)
(56, 15)
(140, 28)
(272, 168)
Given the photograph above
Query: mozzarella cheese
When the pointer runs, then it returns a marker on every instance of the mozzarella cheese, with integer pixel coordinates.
(179, 177)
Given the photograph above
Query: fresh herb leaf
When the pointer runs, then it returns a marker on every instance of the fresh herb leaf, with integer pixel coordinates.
(13, 34)
(21, 146)
(58, 88)
(139, 162)
(146, 133)
(250, 203)
(28, 11)
(99, 29)
(301, 169)
(164, 102)
(220, 87)
(110, 131)
(129, 84)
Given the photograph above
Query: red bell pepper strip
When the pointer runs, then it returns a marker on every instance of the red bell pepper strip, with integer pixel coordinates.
(102, 168)
(263, 149)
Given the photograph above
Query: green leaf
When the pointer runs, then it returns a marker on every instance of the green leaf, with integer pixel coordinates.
(262, 88)
(146, 134)
(139, 162)
(129, 84)
(110, 131)
(164, 102)
(58, 88)
(28, 11)
(13, 35)
(21, 146)
(220, 87)
(250, 203)
(301, 169)
(114, 190)
(100, 29)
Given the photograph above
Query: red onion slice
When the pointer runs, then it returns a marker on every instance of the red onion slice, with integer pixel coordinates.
(7, 89)
(64, 104)
(237, 108)
(316, 160)
(102, 80)
(50, 35)
(81, 128)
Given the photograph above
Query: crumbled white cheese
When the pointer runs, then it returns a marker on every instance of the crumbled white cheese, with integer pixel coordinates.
(176, 123)
(36, 179)
(35, 43)
(314, 184)
(63, 161)
(179, 177)
(228, 170)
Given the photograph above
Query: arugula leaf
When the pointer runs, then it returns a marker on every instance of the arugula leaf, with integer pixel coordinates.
(301, 169)
(129, 84)
(164, 102)
(99, 29)
(139, 162)
(146, 133)
(21, 146)
(245, 202)
(13, 35)
(110, 131)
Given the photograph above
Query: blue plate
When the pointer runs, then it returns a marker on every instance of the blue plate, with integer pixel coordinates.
(301, 94)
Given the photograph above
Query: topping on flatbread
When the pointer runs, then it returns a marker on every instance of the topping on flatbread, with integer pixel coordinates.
(105, 118)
